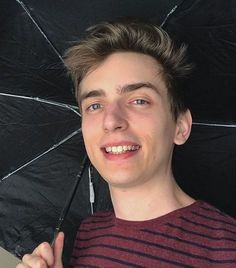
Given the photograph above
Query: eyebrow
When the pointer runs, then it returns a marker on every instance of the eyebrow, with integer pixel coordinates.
(135, 86)
(121, 90)
(92, 93)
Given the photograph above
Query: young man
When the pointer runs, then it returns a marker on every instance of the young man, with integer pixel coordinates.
(127, 78)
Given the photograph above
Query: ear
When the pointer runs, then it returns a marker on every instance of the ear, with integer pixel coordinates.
(183, 128)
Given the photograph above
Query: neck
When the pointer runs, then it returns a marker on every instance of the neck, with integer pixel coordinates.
(148, 201)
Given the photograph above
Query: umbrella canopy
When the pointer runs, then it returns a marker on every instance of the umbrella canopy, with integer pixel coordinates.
(41, 142)
(206, 165)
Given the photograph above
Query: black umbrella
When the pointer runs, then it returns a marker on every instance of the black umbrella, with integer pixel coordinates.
(206, 165)
(41, 143)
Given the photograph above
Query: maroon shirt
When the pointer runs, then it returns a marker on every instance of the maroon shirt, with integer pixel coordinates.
(198, 235)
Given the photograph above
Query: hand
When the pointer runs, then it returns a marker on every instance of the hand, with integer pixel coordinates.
(45, 256)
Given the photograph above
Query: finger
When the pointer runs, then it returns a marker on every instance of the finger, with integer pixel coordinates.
(58, 249)
(22, 265)
(34, 261)
(45, 252)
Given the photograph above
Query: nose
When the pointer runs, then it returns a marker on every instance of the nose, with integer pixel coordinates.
(115, 118)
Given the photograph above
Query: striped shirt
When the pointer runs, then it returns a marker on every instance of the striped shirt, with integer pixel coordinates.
(198, 235)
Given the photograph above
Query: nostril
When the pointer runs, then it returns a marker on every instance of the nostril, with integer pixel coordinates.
(118, 127)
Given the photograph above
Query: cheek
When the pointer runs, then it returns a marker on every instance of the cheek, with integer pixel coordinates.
(156, 135)
(87, 125)
(86, 131)
(90, 136)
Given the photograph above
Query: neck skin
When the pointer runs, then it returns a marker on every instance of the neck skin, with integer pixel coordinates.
(149, 201)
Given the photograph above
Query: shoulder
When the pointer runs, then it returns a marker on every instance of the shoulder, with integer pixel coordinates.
(210, 213)
(209, 221)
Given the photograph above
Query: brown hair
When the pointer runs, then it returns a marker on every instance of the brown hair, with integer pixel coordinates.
(106, 38)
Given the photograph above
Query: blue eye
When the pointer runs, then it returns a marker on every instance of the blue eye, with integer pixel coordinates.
(94, 107)
(140, 101)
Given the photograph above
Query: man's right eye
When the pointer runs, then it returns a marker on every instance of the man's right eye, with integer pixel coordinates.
(94, 106)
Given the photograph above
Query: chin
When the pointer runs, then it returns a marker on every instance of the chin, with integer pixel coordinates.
(120, 180)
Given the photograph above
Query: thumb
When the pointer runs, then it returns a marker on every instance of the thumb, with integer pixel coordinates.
(57, 250)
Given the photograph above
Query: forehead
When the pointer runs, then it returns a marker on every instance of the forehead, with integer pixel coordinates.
(122, 68)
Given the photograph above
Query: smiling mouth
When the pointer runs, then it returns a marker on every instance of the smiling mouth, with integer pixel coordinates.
(121, 149)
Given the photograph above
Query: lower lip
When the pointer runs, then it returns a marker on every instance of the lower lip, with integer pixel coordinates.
(114, 157)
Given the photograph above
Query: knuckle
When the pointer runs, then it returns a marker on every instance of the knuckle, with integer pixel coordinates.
(32, 260)
(44, 246)
(26, 257)
(40, 263)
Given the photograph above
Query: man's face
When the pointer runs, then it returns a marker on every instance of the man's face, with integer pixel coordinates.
(128, 129)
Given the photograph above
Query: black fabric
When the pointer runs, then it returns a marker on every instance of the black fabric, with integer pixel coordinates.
(209, 30)
(205, 166)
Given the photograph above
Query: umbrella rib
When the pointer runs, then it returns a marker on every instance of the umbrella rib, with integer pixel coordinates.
(214, 124)
(167, 16)
(40, 29)
(42, 154)
(63, 105)
(74, 109)
(170, 13)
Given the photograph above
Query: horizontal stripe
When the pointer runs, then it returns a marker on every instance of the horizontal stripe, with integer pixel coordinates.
(200, 234)
(213, 209)
(86, 266)
(210, 227)
(95, 229)
(96, 222)
(111, 259)
(167, 248)
(139, 253)
(202, 246)
(213, 219)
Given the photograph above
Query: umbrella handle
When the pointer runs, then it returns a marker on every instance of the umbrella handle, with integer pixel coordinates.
(68, 203)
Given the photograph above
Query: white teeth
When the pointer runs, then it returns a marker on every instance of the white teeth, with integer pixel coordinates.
(121, 149)
(108, 149)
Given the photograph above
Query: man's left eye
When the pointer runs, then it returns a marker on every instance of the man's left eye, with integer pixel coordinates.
(140, 102)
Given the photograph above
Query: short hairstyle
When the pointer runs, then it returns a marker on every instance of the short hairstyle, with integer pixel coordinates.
(103, 39)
